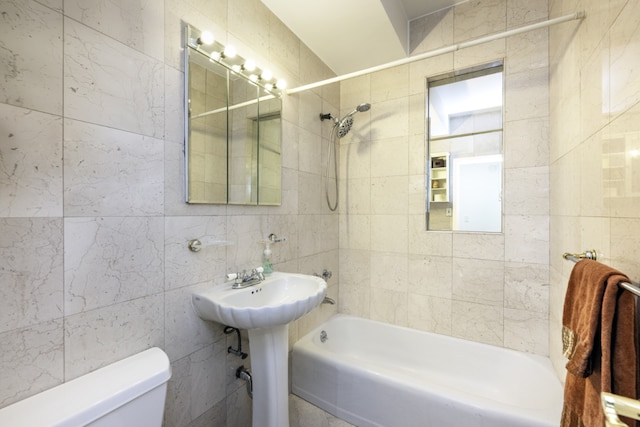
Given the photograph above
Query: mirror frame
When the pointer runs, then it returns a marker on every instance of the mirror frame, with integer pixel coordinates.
(265, 95)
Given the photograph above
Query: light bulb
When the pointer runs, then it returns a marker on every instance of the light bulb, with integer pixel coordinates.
(268, 86)
(281, 84)
(253, 78)
(215, 56)
(266, 75)
(229, 51)
(206, 38)
(236, 68)
(249, 65)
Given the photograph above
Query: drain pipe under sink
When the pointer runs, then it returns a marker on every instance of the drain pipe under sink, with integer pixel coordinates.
(244, 374)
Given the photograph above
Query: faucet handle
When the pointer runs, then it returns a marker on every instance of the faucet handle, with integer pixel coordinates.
(274, 239)
(232, 276)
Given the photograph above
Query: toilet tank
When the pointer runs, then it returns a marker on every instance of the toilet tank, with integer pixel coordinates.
(128, 393)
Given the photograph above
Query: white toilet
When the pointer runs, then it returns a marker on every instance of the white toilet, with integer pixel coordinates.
(128, 393)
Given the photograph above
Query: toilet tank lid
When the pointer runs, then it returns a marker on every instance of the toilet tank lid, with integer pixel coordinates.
(91, 396)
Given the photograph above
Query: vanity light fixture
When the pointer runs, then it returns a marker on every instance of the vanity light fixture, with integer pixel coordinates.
(229, 52)
(266, 75)
(206, 38)
(249, 65)
(228, 57)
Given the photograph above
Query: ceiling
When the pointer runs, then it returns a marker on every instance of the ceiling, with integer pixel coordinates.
(352, 35)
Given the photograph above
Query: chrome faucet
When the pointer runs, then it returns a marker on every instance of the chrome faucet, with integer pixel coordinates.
(245, 279)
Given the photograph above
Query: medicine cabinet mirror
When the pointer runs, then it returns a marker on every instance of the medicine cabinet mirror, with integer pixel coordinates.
(232, 127)
(465, 163)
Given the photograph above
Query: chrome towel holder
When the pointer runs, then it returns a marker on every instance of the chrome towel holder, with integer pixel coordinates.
(632, 287)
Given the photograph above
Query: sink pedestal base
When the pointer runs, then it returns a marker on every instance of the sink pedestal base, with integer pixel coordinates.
(269, 368)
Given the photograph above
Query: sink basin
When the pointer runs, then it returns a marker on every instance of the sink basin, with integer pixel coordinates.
(278, 300)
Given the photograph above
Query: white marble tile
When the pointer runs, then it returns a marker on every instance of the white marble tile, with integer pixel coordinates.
(355, 232)
(417, 194)
(355, 299)
(355, 196)
(478, 322)
(244, 232)
(478, 18)
(32, 361)
(389, 195)
(527, 51)
(389, 306)
(526, 331)
(419, 71)
(208, 380)
(489, 246)
(428, 242)
(431, 31)
(430, 275)
(112, 173)
(184, 267)
(177, 409)
(389, 233)
(30, 163)
(390, 157)
(594, 93)
(430, 314)
(310, 200)
(527, 238)
(526, 191)
(111, 260)
(483, 53)
(624, 74)
(390, 119)
(30, 271)
(526, 143)
(355, 91)
(354, 160)
(521, 12)
(139, 24)
(31, 65)
(526, 287)
(625, 240)
(310, 148)
(97, 338)
(389, 271)
(304, 414)
(527, 94)
(389, 84)
(478, 281)
(110, 84)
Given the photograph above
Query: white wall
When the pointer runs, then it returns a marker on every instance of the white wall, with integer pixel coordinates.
(595, 125)
(94, 264)
(492, 288)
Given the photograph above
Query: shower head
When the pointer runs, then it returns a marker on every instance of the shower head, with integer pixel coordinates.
(344, 125)
(363, 107)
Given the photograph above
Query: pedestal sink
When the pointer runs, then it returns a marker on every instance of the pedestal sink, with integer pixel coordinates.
(265, 310)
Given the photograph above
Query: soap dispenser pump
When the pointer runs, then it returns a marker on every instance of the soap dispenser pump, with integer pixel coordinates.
(266, 258)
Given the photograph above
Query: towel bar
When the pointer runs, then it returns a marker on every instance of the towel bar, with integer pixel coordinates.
(632, 287)
(615, 405)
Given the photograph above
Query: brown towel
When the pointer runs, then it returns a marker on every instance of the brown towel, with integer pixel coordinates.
(600, 340)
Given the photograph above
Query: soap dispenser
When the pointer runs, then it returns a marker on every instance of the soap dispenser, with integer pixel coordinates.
(267, 266)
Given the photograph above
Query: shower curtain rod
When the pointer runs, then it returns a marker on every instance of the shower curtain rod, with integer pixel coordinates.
(440, 51)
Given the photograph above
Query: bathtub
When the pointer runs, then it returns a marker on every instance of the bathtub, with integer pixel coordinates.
(375, 374)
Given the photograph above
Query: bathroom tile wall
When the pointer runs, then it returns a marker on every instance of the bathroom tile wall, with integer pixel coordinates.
(595, 143)
(94, 264)
(492, 288)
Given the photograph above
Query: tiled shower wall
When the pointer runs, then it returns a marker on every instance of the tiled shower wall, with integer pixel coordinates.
(94, 264)
(595, 143)
(492, 288)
